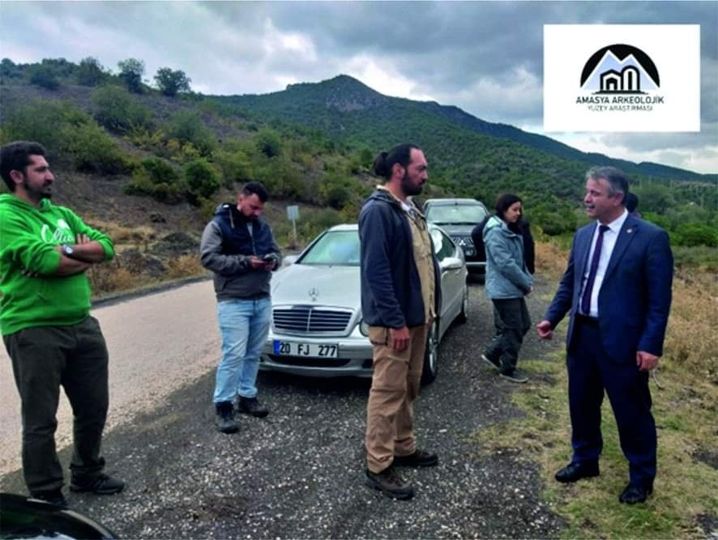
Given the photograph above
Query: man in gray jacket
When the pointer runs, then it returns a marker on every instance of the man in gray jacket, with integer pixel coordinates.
(239, 248)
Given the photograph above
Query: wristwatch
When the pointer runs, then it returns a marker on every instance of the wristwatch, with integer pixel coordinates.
(67, 250)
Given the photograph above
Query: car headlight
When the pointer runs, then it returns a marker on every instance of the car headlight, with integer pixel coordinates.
(364, 328)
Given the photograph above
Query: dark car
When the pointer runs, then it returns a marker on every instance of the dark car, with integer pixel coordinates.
(458, 217)
(25, 517)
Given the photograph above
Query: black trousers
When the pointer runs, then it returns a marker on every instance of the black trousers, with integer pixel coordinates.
(512, 321)
(43, 359)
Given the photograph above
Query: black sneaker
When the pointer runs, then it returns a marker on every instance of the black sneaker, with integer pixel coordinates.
(418, 459)
(514, 375)
(224, 420)
(252, 407)
(100, 485)
(493, 363)
(51, 497)
(390, 484)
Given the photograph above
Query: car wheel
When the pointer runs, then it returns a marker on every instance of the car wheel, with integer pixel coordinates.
(431, 356)
(463, 317)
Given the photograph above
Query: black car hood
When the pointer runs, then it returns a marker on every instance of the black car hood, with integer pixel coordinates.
(463, 229)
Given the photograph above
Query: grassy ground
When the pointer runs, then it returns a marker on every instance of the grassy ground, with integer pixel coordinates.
(685, 395)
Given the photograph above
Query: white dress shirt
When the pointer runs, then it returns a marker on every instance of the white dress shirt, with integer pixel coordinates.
(609, 242)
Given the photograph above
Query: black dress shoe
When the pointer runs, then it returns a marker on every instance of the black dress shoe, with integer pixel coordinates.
(635, 493)
(53, 497)
(575, 471)
(419, 458)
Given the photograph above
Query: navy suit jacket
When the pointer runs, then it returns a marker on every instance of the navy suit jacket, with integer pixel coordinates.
(635, 295)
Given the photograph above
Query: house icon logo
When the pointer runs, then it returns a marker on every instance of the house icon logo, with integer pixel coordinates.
(620, 69)
(620, 78)
(611, 78)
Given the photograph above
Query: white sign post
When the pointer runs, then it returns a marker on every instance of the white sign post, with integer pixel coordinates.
(293, 215)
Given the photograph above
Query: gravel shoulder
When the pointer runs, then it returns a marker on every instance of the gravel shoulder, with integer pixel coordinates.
(299, 473)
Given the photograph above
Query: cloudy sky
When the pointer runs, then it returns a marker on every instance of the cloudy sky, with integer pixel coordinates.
(485, 57)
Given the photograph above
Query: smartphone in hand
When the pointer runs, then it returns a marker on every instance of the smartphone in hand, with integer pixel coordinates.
(270, 257)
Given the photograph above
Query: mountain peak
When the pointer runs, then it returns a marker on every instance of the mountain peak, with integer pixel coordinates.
(343, 92)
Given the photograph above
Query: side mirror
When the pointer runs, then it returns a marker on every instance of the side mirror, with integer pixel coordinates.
(289, 260)
(452, 263)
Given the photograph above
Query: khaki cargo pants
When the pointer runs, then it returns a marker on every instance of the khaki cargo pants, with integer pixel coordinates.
(394, 387)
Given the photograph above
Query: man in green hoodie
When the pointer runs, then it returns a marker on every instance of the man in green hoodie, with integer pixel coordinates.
(46, 325)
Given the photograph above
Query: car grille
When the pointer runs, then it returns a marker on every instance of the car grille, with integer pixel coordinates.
(467, 244)
(311, 320)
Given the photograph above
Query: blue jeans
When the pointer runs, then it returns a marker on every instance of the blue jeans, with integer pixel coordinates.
(244, 325)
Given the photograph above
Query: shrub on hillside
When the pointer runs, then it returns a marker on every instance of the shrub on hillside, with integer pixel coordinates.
(236, 166)
(131, 71)
(90, 72)
(188, 127)
(269, 143)
(281, 178)
(40, 121)
(202, 180)
(93, 150)
(44, 76)
(9, 70)
(553, 221)
(172, 82)
(118, 111)
(68, 134)
(158, 179)
(695, 234)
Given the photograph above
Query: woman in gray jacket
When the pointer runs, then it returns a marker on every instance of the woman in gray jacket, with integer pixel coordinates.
(508, 281)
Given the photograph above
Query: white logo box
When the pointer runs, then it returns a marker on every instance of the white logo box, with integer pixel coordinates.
(672, 106)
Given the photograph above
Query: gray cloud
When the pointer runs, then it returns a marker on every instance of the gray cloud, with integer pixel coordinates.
(485, 57)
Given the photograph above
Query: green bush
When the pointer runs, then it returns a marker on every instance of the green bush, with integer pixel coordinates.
(131, 71)
(159, 171)
(695, 234)
(118, 111)
(188, 127)
(68, 134)
(202, 180)
(157, 179)
(39, 121)
(93, 150)
(268, 142)
(171, 82)
(90, 72)
(236, 166)
(44, 76)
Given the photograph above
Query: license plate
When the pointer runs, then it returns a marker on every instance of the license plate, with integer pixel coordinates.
(314, 350)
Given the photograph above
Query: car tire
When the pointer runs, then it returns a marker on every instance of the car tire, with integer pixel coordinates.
(462, 317)
(431, 356)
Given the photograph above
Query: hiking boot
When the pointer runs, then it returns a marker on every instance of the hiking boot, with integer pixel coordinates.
(493, 363)
(252, 407)
(514, 375)
(100, 485)
(390, 484)
(418, 459)
(224, 420)
(54, 496)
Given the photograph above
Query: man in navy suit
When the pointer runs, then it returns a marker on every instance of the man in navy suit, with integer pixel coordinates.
(617, 291)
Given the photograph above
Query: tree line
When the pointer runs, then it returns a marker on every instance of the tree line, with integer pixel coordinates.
(50, 74)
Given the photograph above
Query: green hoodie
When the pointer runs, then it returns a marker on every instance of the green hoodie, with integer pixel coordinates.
(32, 295)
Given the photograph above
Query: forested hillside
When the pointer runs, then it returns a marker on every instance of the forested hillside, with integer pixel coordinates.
(312, 144)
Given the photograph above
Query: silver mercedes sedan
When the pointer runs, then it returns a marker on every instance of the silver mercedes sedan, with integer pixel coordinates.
(317, 328)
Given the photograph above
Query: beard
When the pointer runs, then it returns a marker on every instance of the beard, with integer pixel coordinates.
(408, 187)
(37, 194)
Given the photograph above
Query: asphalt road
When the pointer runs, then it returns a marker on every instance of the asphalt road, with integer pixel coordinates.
(298, 473)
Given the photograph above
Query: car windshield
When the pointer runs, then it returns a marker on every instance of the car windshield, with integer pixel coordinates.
(455, 213)
(334, 248)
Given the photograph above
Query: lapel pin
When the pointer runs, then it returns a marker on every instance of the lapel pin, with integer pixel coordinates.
(629, 231)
